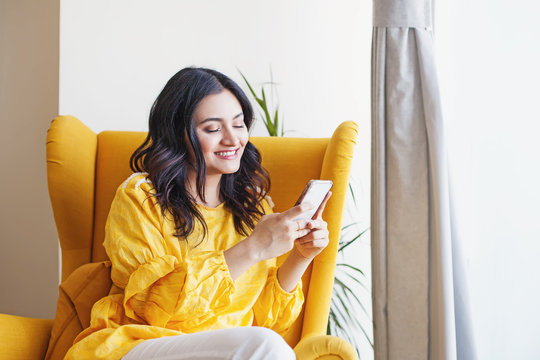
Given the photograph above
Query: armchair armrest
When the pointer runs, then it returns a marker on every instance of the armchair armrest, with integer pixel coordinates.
(336, 166)
(325, 347)
(24, 338)
(71, 171)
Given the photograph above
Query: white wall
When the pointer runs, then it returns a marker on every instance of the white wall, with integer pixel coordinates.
(489, 56)
(116, 56)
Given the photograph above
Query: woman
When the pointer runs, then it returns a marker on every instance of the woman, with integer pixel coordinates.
(193, 241)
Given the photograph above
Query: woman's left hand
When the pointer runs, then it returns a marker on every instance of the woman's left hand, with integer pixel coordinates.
(313, 243)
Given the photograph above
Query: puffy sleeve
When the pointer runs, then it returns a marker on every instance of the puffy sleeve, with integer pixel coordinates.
(276, 308)
(158, 283)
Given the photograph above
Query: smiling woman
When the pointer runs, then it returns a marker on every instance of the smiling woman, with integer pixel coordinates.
(193, 241)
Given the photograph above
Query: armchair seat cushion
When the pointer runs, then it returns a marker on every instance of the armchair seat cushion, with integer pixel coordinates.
(77, 294)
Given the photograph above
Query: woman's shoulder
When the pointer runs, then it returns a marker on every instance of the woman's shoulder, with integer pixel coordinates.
(137, 187)
(135, 180)
(136, 194)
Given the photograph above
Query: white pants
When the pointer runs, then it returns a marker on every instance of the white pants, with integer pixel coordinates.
(232, 344)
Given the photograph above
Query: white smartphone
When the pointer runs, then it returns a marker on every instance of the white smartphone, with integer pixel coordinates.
(314, 193)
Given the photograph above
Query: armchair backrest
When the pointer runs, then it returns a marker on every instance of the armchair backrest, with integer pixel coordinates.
(84, 170)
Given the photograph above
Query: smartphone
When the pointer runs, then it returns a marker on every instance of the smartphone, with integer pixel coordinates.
(314, 193)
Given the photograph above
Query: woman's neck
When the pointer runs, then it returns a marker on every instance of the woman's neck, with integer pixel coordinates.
(212, 195)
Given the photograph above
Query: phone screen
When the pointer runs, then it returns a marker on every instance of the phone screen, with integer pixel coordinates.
(314, 193)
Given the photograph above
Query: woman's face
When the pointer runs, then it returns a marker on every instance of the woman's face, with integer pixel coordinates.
(222, 134)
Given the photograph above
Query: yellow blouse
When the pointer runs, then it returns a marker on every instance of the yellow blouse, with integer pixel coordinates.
(163, 286)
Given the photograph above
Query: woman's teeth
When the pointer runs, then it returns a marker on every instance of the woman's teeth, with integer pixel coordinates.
(226, 153)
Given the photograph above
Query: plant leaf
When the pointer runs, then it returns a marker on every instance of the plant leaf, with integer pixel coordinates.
(276, 124)
(349, 225)
(352, 240)
(249, 85)
(264, 107)
(346, 292)
(346, 319)
(352, 195)
(351, 267)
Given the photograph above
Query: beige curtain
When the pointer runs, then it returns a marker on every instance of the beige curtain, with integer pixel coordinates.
(413, 277)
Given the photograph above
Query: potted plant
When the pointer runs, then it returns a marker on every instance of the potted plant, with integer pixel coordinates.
(344, 318)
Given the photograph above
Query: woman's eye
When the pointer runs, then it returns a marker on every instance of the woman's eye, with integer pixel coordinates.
(239, 126)
(212, 130)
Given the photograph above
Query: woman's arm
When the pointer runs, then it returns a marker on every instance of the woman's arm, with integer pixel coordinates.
(305, 249)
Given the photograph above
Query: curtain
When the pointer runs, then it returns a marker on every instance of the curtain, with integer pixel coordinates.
(412, 254)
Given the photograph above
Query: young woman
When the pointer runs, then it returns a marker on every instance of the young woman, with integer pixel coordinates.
(193, 241)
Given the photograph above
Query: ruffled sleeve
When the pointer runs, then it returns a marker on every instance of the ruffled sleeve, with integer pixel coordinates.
(276, 308)
(158, 282)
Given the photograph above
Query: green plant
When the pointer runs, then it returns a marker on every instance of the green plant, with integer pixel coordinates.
(344, 320)
(272, 122)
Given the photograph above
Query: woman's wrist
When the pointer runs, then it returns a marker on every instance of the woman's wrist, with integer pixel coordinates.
(292, 269)
(251, 250)
(241, 257)
(298, 257)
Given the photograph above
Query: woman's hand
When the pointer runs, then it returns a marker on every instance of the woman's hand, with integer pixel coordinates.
(275, 234)
(316, 240)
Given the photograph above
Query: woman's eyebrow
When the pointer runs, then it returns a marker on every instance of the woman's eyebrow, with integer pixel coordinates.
(220, 119)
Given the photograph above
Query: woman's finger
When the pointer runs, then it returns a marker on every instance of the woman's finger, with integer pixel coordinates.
(303, 224)
(320, 243)
(300, 233)
(317, 224)
(313, 235)
(315, 244)
(318, 213)
(295, 211)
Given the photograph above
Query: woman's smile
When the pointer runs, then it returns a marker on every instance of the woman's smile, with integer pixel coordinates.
(228, 154)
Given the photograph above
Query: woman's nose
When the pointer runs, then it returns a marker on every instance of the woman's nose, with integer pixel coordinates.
(229, 136)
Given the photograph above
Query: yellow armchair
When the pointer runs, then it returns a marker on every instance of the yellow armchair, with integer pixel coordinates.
(84, 170)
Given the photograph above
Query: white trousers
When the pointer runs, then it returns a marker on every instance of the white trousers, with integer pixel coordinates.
(241, 343)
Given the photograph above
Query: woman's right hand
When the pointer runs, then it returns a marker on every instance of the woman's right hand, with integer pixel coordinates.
(274, 234)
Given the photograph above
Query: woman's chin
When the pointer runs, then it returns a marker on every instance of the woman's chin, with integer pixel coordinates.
(223, 170)
(231, 171)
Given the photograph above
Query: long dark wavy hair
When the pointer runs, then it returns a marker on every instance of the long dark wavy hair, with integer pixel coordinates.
(164, 155)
